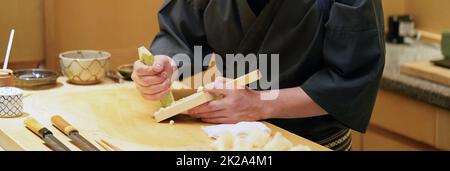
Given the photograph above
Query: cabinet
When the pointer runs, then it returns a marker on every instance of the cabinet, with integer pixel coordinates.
(400, 123)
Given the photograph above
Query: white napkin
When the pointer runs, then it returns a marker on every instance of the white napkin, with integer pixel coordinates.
(235, 129)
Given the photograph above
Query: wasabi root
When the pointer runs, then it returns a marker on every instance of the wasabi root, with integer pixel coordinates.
(148, 59)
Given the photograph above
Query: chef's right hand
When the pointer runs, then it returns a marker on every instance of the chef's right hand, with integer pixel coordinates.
(154, 81)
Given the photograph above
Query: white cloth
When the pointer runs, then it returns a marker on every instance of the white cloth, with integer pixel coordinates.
(235, 129)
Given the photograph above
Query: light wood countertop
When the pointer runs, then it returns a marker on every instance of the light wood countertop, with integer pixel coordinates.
(115, 112)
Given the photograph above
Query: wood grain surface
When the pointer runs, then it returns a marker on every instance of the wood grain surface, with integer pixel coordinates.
(116, 113)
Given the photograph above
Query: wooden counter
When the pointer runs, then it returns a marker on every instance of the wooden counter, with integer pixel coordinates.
(116, 112)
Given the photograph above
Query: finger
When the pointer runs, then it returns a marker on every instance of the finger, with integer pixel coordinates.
(209, 115)
(169, 68)
(220, 120)
(164, 63)
(154, 89)
(224, 79)
(197, 109)
(216, 83)
(144, 90)
(143, 70)
(219, 91)
(155, 97)
(154, 80)
(212, 106)
(216, 87)
(230, 84)
(158, 65)
(147, 81)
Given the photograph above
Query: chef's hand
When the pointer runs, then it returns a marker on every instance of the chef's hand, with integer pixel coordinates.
(154, 81)
(238, 104)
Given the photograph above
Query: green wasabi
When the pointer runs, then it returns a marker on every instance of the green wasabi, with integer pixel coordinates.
(148, 59)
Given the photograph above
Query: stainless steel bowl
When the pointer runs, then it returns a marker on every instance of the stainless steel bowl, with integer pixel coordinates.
(33, 78)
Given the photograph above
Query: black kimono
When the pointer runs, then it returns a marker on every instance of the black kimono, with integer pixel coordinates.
(334, 51)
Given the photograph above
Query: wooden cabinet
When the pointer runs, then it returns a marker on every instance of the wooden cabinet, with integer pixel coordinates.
(378, 139)
(405, 116)
(443, 129)
(400, 123)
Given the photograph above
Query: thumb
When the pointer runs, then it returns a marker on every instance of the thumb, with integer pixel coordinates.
(159, 64)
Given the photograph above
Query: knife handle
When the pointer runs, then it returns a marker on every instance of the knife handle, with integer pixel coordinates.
(36, 127)
(62, 125)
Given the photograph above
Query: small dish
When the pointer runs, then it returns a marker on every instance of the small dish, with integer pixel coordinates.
(126, 71)
(32, 78)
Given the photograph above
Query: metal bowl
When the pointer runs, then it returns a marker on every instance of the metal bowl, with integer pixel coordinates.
(32, 78)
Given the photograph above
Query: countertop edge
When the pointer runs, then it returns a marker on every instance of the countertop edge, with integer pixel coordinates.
(417, 93)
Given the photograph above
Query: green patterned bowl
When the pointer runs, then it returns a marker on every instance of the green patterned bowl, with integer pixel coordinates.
(446, 44)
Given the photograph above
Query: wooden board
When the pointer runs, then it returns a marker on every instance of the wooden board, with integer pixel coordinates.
(8, 144)
(428, 71)
(201, 97)
(117, 112)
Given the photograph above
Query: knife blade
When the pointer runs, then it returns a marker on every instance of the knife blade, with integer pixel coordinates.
(72, 133)
(45, 134)
(54, 143)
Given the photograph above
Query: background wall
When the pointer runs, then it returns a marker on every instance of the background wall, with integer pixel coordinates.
(430, 15)
(26, 16)
(393, 7)
(116, 26)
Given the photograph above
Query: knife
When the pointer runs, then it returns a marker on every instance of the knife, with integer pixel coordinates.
(73, 134)
(45, 134)
(8, 144)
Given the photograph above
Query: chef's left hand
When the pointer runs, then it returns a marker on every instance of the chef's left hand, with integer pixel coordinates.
(238, 104)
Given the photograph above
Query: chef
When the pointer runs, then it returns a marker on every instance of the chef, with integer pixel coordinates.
(331, 57)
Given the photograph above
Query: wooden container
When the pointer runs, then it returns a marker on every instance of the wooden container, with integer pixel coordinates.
(6, 78)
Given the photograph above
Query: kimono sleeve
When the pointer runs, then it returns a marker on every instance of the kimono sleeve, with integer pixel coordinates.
(353, 53)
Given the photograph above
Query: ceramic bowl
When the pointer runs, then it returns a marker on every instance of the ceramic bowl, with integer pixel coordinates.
(11, 102)
(84, 66)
